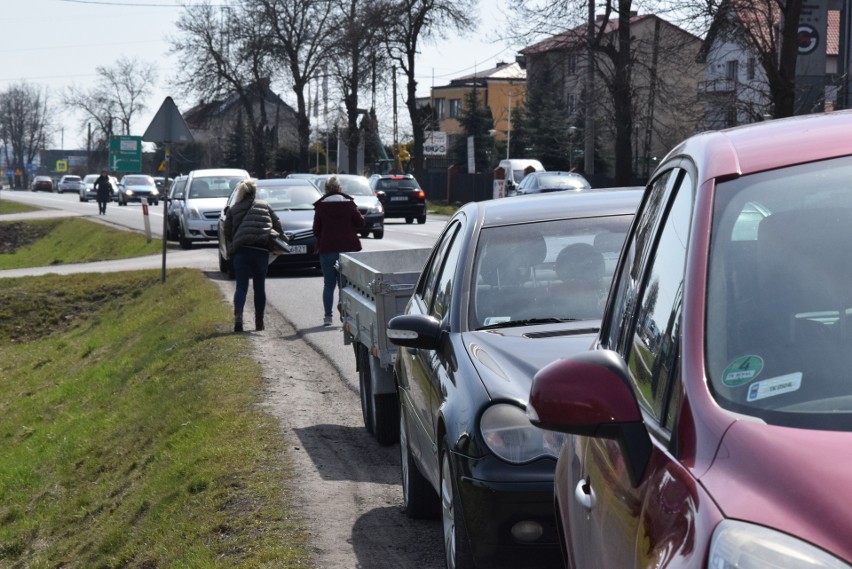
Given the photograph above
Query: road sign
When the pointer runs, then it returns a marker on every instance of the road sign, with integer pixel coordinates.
(62, 165)
(125, 153)
(167, 125)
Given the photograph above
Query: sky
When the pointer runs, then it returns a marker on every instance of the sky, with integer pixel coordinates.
(59, 43)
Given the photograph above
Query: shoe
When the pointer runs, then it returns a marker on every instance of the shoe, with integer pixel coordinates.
(326, 321)
(258, 322)
(238, 326)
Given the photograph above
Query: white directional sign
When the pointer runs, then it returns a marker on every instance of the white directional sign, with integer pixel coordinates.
(435, 144)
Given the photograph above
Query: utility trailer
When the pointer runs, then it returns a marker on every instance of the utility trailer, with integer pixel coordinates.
(375, 286)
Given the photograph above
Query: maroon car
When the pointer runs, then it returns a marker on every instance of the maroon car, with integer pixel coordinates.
(712, 419)
(42, 184)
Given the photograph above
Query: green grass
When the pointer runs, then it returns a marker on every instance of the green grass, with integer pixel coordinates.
(45, 242)
(441, 208)
(131, 433)
(7, 206)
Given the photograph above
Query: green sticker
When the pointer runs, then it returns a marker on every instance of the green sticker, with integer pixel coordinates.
(742, 370)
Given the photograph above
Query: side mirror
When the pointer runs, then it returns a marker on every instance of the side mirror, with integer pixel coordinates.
(414, 331)
(591, 395)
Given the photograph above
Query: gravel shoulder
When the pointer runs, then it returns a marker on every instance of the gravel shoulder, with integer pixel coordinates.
(347, 486)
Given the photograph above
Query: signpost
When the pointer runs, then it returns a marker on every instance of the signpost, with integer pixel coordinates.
(125, 153)
(167, 127)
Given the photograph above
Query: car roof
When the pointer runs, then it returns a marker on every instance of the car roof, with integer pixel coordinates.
(218, 172)
(758, 147)
(283, 182)
(557, 205)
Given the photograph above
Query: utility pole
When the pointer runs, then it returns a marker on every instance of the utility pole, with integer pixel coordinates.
(589, 148)
(397, 163)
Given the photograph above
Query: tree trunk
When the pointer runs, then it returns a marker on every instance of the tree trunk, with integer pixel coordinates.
(622, 99)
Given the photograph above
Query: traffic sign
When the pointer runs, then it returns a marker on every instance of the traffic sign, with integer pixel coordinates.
(125, 153)
(62, 165)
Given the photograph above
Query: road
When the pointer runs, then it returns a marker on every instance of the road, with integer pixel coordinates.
(347, 486)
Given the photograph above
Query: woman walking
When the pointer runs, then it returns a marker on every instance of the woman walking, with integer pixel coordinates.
(336, 224)
(103, 191)
(248, 226)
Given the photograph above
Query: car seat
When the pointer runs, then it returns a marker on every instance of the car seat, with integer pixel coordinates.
(199, 189)
(580, 292)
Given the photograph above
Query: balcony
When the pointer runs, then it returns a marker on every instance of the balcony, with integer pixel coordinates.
(722, 86)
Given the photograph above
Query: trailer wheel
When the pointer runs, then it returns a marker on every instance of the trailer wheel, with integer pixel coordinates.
(362, 360)
(386, 418)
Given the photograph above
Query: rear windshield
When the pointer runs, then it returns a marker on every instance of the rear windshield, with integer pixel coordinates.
(401, 184)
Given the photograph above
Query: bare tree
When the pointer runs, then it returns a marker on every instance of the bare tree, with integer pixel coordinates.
(299, 33)
(24, 118)
(407, 24)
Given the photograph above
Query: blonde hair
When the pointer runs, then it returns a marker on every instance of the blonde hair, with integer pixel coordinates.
(246, 189)
(332, 185)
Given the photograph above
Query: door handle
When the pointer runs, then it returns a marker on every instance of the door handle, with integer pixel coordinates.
(584, 494)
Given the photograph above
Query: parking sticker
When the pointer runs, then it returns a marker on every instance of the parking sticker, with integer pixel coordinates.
(742, 370)
(774, 386)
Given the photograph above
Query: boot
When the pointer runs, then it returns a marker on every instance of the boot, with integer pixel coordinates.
(238, 322)
(258, 321)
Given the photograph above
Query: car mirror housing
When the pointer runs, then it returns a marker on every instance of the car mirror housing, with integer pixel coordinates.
(414, 331)
(590, 395)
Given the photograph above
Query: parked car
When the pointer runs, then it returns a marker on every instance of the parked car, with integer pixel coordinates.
(292, 199)
(303, 176)
(711, 422)
(176, 192)
(557, 181)
(163, 184)
(514, 170)
(197, 203)
(368, 204)
(69, 183)
(134, 187)
(479, 325)
(401, 196)
(42, 184)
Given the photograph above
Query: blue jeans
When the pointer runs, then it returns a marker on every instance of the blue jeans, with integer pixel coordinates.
(254, 264)
(329, 280)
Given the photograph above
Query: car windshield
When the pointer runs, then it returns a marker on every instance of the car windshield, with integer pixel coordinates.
(545, 271)
(779, 299)
(355, 186)
(139, 181)
(284, 198)
(213, 186)
(566, 182)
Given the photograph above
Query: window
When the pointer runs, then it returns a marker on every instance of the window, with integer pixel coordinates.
(439, 109)
(732, 70)
(751, 68)
(455, 108)
(572, 104)
(446, 279)
(571, 64)
(730, 116)
(428, 280)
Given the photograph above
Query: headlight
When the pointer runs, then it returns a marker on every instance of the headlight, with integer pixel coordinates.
(738, 544)
(377, 208)
(128, 192)
(155, 193)
(193, 214)
(510, 436)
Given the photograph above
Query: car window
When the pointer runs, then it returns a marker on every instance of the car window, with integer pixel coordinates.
(178, 189)
(397, 184)
(550, 269)
(429, 277)
(289, 197)
(654, 344)
(138, 180)
(446, 279)
(779, 307)
(213, 186)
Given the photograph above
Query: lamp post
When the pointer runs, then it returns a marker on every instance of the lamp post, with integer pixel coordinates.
(571, 131)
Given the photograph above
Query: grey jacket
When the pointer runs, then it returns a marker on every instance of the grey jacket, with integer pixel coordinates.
(249, 224)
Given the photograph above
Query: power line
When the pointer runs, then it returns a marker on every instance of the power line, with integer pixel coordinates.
(132, 4)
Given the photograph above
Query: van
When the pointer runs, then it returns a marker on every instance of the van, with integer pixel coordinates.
(513, 169)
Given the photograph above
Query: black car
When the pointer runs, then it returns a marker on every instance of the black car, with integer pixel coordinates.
(510, 285)
(401, 196)
(292, 199)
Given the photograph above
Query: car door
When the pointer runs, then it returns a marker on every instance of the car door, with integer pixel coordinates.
(616, 520)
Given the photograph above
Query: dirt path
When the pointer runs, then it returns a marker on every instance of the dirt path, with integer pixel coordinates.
(347, 485)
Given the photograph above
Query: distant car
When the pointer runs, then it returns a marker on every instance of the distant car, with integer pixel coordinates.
(302, 176)
(174, 198)
(479, 325)
(163, 184)
(293, 201)
(556, 181)
(134, 187)
(365, 198)
(514, 170)
(401, 196)
(197, 203)
(70, 183)
(42, 184)
(87, 192)
(710, 421)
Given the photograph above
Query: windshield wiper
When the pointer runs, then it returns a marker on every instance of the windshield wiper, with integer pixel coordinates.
(527, 322)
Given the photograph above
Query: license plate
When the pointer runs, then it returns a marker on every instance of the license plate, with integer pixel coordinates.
(298, 249)
(399, 198)
(214, 227)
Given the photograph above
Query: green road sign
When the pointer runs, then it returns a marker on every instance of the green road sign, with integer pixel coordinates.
(125, 153)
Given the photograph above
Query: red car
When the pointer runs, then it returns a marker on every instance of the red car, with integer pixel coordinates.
(711, 421)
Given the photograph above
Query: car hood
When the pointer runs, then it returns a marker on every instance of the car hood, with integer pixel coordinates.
(295, 220)
(789, 479)
(366, 201)
(508, 358)
(207, 203)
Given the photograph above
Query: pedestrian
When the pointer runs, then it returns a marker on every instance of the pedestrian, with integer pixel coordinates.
(336, 224)
(103, 191)
(249, 224)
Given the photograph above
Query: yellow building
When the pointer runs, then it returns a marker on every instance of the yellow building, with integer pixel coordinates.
(499, 88)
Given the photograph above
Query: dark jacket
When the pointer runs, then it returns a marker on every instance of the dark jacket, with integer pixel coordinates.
(103, 188)
(249, 223)
(336, 224)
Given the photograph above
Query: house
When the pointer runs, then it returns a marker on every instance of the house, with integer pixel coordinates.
(664, 76)
(735, 89)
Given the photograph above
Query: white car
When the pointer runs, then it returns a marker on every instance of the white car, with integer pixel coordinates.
(69, 183)
(196, 203)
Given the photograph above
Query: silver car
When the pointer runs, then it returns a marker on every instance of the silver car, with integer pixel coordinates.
(69, 183)
(195, 205)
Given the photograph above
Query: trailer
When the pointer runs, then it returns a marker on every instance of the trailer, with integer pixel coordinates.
(375, 286)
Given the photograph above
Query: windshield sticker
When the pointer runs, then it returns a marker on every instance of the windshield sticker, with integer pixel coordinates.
(774, 386)
(742, 370)
(496, 320)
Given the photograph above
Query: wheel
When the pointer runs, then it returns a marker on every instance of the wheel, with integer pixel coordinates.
(364, 234)
(184, 242)
(418, 497)
(156, 203)
(378, 234)
(457, 552)
(121, 201)
(409, 220)
(379, 410)
(422, 219)
(226, 267)
(363, 362)
(82, 199)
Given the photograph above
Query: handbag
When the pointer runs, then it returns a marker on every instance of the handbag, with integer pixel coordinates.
(277, 245)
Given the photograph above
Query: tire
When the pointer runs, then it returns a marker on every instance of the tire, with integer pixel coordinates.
(421, 220)
(409, 220)
(82, 199)
(419, 499)
(378, 234)
(457, 551)
(364, 386)
(182, 240)
(379, 410)
(364, 234)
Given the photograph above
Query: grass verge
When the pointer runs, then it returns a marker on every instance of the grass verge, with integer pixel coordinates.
(7, 206)
(131, 429)
(45, 242)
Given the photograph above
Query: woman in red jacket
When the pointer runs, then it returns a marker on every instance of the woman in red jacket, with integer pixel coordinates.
(336, 224)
